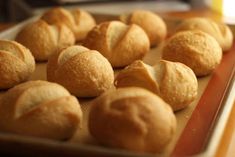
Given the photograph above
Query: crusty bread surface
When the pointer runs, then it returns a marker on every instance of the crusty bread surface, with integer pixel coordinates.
(79, 21)
(133, 119)
(43, 39)
(174, 82)
(196, 49)
(40, 109)
(220, 31)
(151, 23)
(121, 44)
(84, 72)
(16, 64)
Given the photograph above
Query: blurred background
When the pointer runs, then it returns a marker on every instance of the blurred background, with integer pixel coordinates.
(17, 10)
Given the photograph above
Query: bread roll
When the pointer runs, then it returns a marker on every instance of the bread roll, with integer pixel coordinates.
(219, 31)
(174, 82)
(84, 72)
(133, 119)
(16, 64)
(119, 43)
(44, 39)
(79, 21)
(151, 23)
(41, 109)
(196, 49)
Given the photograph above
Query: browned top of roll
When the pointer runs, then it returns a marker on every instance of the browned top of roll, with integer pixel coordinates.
(79, 21)
(40, 108)
(151, 23)
(132, 118)
(16, 63)
(121, 44)
(196, 49)
(174, 82)
(220, 31)
(90, 72)
(44, 39)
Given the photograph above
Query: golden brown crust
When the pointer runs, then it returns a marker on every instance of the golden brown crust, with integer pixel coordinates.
(174, 82)
(196, 49)
(151, 23)
(133, 119)
(41, 109)
(43, 39)
(84, 23)
(221, 32)
(90, 72)
(16, 63)
(119, 43)
(79, 21)
(178, 85)
(137, 75)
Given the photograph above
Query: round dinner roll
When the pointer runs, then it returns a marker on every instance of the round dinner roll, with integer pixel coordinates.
(174, 82)
(133, 119)
(16, 64)
(79, 21)
(151, 23)
(84, 72)
(40, 109)
(220, 31)
(121, 44)
(44, 39)
(196, 49)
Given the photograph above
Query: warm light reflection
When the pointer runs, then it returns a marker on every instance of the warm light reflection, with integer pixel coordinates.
(228, 8)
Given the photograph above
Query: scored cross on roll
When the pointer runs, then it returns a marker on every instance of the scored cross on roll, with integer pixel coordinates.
(40, 109)
(43, 39)
(121, 44)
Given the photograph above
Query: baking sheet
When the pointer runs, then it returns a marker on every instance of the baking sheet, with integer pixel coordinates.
(82, 143)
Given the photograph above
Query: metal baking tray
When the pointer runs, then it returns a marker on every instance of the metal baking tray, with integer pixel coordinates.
(200, 126)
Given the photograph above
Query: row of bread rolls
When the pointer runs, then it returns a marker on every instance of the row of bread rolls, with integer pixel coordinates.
(35, 108)
(92, 74)
(122, 44)
(84, 72)
(144, 122)
(57, 28)
(117, 116)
